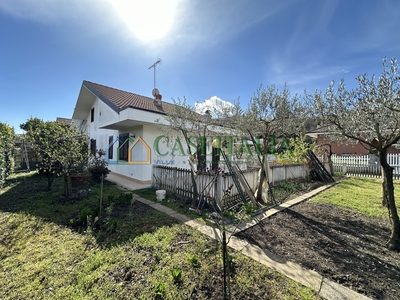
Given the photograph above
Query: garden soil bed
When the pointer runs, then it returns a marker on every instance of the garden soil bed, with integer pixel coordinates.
(341, 245)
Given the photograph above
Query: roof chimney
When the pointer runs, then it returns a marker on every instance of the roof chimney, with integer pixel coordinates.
(157, 100)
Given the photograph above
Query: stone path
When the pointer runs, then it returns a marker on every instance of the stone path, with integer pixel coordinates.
(325, 288)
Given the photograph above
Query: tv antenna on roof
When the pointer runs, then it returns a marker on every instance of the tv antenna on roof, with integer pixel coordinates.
(154, 66)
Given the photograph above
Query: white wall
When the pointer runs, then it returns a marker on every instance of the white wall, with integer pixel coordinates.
(286, 172)
(144, 172)
(138, 154)
(173, 154)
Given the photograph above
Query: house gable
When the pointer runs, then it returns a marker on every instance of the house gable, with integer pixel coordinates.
(90, 86)
(120, 100)
(106, 114)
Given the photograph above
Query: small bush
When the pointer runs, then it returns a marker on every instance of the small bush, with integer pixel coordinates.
(98, 166)
(177, 275)
(87, 212)
(289, 187)
(72, 222)
(125, 198)
(160, 290)
(297, 151)
(112, 225)
(7, 137)
(110, 198)
(248, 208)
(194, 261)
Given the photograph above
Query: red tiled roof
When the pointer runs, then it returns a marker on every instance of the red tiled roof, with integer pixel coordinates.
(122, 99)
(64, 121)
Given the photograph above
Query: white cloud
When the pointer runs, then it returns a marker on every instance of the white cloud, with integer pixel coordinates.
(215, 22)
(48, 11)
(206, 24)
(196, 24)
(340, 71)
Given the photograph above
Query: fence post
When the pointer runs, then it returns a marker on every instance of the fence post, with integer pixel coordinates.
(154, 177)
(344, 168)
(175, 176)
(285, 167)
(269, 171)
(218, 190)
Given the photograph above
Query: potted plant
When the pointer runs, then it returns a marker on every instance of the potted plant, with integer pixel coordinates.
(80, 179)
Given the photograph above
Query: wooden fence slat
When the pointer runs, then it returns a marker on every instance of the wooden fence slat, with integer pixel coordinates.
(179, 182)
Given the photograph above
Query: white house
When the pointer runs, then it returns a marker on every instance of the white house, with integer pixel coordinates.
(123, 124)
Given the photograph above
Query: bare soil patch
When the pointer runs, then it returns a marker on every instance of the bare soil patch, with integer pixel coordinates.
(341, 245)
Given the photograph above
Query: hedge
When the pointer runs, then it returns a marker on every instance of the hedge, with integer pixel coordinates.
(7, 137)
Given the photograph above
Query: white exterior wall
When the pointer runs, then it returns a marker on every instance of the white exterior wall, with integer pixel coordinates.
(144, 172)
(145, 127)
(172, 158)
(134, 171)
(104, 115)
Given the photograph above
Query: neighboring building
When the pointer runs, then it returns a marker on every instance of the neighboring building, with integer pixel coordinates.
(124, 125)
(358, 148)
(25, 157)
(64, 121)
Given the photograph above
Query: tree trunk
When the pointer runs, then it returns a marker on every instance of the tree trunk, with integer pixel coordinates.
(50, 178)
(192, 173)
(227, 275)
(66, 186)
(384, 194)
(263, 171)
(201, 157)
(330, 162)
(261, 180)
(388, 193)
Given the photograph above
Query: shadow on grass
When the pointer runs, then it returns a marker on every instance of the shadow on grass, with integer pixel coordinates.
(334, 242)
(120, 220)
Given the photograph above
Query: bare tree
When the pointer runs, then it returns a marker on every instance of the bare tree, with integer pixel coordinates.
(369, 114)
(198, 129)
(183, 120)
(271, 114)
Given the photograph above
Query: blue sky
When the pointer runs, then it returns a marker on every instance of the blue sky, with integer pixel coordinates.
(223, 48)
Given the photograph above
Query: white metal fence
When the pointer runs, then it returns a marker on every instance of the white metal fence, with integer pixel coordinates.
(367, 165)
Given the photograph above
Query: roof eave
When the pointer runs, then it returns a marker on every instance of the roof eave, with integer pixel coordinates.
(139, 108)
(101, 97)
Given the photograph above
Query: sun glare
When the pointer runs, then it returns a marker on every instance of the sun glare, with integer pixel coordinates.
(148, 19)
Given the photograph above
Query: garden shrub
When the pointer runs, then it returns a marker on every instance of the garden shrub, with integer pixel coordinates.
(98, 166)
(7, 137)
(298, 152)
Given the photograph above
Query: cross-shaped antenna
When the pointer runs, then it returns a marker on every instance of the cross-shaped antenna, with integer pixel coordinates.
(154, 66)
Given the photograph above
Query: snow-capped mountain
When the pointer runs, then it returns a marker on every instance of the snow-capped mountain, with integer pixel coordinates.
(214, 105)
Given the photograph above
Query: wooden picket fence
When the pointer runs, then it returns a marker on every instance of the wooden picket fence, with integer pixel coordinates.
(179, 182)
(367, 165)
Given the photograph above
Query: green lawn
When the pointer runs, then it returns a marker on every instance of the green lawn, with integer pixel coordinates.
(361, 194)
(134, 252)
